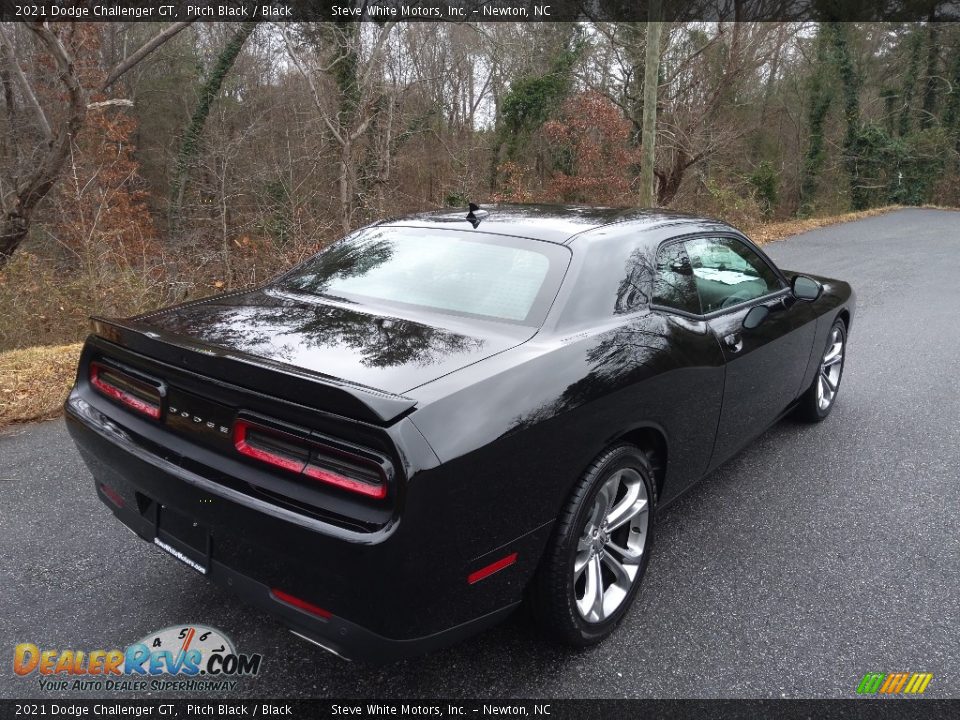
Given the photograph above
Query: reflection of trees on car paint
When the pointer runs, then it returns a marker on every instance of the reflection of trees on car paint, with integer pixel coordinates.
(343, 259)
(284, 329)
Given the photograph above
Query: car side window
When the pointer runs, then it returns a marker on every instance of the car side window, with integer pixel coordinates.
(674, 285)
(727, 272)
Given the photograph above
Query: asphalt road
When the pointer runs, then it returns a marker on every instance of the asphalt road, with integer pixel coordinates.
(818, 554)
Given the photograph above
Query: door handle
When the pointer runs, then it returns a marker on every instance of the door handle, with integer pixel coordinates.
(734, 342)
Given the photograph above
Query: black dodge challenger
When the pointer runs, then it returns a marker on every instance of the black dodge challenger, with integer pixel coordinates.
(439, 416)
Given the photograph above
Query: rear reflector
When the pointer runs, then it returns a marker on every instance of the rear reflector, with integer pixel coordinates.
(300, 604)
(490, 569)
(126, 389)
(112, 495)
(310, 459)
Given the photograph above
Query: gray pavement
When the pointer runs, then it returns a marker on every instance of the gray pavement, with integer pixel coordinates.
(818, 554)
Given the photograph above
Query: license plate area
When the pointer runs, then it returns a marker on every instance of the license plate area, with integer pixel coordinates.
(184, 538)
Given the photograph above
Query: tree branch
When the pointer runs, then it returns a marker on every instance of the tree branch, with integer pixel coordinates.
(39, 183)
(16, 217)
(28, 94)
(148, 47)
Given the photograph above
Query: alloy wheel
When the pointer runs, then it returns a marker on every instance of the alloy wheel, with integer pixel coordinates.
(611, 547)
(830, 368)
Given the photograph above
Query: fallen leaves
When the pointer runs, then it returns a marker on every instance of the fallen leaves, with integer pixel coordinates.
(34, 382)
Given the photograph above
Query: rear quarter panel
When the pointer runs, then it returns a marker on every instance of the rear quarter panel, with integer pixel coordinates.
(516, 431)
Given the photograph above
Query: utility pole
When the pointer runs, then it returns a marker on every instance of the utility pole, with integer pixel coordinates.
(651, 79)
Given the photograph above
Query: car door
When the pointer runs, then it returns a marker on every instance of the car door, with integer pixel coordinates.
(693, 394)
(764, 365)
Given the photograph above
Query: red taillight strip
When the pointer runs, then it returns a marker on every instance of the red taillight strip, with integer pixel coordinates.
(131, 401)
(300, 604)
(357, 486)
(490, 569)
(314, 472)
(240, 428)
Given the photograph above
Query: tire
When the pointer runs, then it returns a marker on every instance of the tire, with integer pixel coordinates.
(559, 600)
(818, 400)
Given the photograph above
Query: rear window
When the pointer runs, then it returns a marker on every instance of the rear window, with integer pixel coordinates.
(464, 273)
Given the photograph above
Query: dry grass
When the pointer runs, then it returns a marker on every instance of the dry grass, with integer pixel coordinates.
(762, 233)
(34, 382)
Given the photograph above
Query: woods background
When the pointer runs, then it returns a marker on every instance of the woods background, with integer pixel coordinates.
(229, 151)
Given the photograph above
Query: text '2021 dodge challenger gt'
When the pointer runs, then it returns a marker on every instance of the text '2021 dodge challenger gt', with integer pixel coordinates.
(392, 445)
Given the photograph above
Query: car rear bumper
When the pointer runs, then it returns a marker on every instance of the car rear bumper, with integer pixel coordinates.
(369, 602)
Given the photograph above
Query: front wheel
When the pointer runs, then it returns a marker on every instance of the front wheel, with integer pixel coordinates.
(592, 569)
(817, 402)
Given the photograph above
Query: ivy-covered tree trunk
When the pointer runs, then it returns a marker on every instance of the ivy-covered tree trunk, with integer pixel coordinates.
(821, 97)
(931, 80)
(190, 147)
(850, 85)
(951, 115)
(910, 84)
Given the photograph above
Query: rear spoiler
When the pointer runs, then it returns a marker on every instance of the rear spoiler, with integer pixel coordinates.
(288, 382)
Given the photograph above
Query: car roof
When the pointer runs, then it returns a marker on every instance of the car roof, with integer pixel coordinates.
(551, 223)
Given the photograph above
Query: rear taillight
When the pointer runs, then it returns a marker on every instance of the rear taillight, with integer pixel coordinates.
(135, 394)
(351, 472)
(306, 457)
(270, 446)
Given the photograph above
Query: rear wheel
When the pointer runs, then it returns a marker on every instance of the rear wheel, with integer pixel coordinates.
(818, 400)
(598, 553)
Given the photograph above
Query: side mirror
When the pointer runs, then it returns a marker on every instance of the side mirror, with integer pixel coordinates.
(755, 317)
(805, 288)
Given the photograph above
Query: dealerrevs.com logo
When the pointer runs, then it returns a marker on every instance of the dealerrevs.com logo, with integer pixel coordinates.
(179, 658)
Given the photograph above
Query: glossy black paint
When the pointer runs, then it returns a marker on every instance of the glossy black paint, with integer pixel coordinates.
(373, 350)
(487, 424)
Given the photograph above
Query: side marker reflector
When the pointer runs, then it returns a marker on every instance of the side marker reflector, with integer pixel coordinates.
(492, 568)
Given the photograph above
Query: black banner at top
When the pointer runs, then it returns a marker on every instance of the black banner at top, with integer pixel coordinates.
(476, 10)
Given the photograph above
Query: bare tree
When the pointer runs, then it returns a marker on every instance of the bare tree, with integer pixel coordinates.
(29, 182)
(356, 56)
(703, 70)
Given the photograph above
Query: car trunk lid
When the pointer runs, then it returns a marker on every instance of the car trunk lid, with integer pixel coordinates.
(348, 360)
